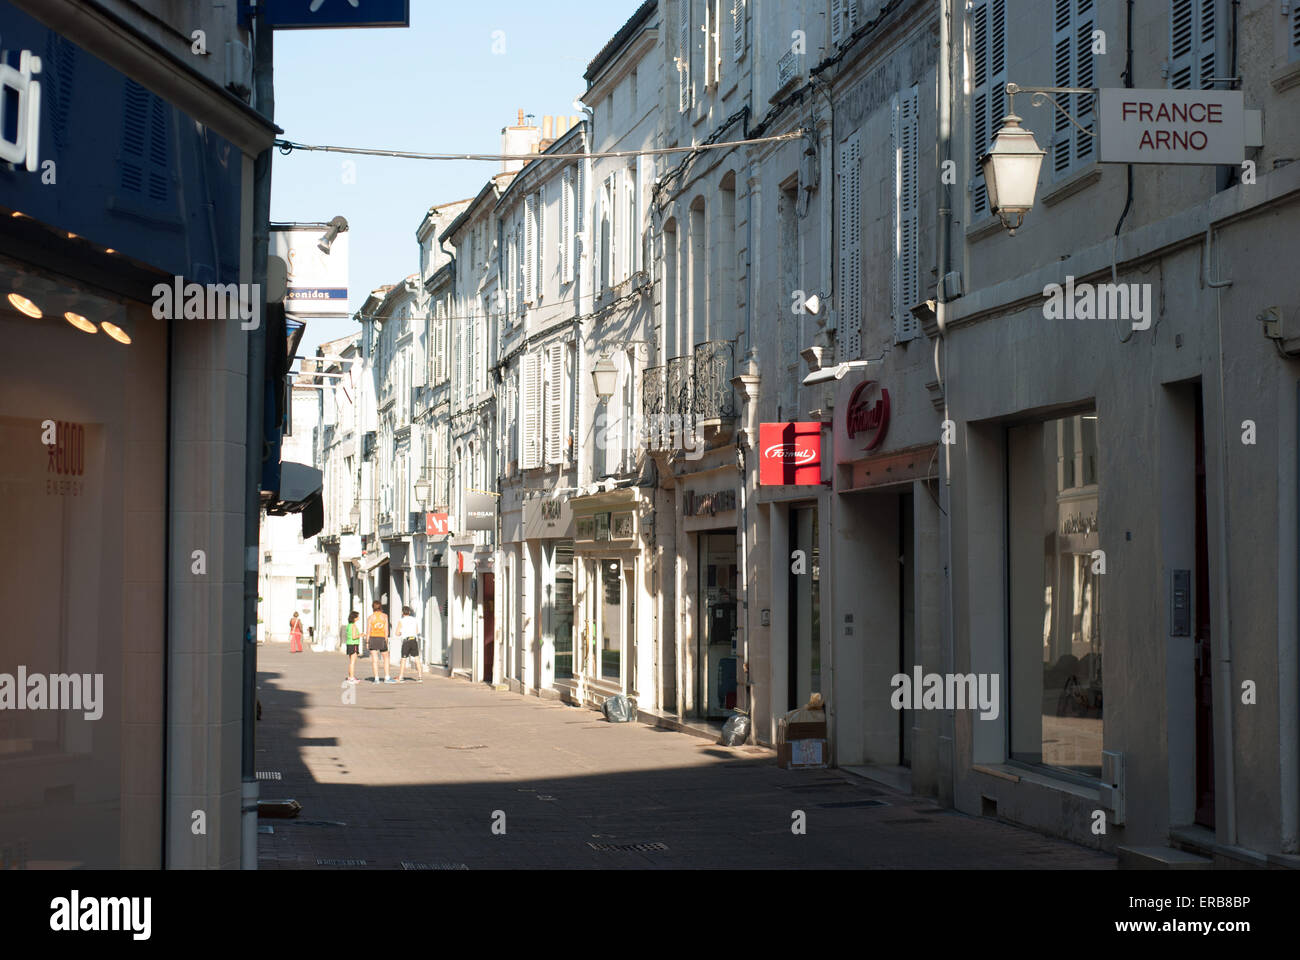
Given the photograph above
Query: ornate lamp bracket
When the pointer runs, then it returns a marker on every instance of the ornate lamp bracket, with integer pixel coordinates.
(1041, 95)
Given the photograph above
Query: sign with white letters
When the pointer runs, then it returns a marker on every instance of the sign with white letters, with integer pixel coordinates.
(1171, 126)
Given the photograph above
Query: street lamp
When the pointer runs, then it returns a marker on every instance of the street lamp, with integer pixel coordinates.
(1011, 172)
(422, 491)
(1011, 165)
(604, 376)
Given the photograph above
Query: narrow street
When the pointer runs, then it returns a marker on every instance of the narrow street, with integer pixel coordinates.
(409, 777)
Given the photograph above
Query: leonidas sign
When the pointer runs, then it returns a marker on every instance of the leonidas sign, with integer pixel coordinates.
(1171, 126)
(789, 453)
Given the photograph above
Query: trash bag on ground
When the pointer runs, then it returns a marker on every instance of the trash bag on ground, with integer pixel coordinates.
(619, 709)
(735, 731)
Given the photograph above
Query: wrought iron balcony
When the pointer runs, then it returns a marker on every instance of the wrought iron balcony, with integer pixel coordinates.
(654, 392)
(679, 385)
(713, 397)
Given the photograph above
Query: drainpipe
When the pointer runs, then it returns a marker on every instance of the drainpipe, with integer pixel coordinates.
(264, 93)
(948, 736)
(1223, 642)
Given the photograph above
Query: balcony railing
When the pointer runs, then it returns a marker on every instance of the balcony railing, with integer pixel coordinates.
(713, 397)
(680, 370)
(688, 390)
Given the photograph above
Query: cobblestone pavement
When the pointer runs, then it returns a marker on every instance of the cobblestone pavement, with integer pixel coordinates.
(412, 776)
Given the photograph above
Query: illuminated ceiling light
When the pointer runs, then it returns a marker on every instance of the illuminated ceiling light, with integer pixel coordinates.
(109, 250)
(80, 322)
(116, 332)
(72, 236)
(18, 213)
(23, 305)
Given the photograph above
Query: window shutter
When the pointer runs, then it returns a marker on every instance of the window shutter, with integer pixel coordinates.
(715, 36)
(530, 407)
(1294, 31)
(580, 216)
(989, 36)
(555, 403)
(850, 242)
(684, 54)
(530, 239)
(1192, 36)
(519, 267)
(1072, 52)
(837, 21)
(906, 215)
(613, 227)
(737, 29)
(850, 17)
(539, 245)
(566, 226)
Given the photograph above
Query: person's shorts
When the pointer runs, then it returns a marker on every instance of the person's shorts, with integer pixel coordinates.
(378, 644)
(353, 649)
(411, 647)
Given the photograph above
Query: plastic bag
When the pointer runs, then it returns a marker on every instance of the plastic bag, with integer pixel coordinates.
(619, 709)
(735, 731)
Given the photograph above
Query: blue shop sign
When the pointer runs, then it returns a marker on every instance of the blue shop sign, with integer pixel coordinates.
(93, 152)
(315, 14)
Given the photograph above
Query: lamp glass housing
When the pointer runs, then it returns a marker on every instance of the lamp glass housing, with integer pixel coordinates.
(604, 376)
(1011, 170)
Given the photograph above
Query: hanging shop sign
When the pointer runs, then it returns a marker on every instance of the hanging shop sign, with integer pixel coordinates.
(1171, 126)
(790, 453)
(862, 427)
(480, 511)
(317, 282)
(436, 524)
(328, 14)
(349, 546)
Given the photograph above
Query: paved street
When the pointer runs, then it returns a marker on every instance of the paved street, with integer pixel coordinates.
(411, 775)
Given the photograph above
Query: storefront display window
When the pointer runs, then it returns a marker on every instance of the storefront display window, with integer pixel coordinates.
(1055, 593)
(562, 615)
(83, 449)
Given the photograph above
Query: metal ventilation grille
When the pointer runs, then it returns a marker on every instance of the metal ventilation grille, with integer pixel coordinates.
(628, 847)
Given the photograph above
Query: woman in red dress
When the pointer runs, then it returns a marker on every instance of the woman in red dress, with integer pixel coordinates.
(295, 634)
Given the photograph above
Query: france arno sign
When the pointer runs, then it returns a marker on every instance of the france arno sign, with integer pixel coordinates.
(318, 14)
(1171, 126)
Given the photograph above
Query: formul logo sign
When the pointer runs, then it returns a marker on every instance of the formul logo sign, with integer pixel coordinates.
(869, 413)
(23, 149)
(790, 453)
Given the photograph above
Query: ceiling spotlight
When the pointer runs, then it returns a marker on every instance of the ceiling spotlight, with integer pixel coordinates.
(109, 250)
(116, 332)
(23, 305)
(72, 236)
(18, 213)
(336, 226)
(80, 322)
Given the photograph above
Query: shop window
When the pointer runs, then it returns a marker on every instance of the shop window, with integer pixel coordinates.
(562, 614)
(1055, 581)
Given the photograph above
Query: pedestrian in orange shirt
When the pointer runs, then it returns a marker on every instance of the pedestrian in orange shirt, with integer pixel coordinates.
(377, 634)
(295, 634)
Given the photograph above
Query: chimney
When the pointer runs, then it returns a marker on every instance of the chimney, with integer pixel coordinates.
(521, 117)
(546, 127)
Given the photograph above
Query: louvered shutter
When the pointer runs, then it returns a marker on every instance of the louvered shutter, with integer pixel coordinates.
(613, 227)
(530, 240)
(989, 36)
(530, 408)
(737, 29)
(566, 226)
(1072, 53)
(1192, 43)
(906, 215)
(684, 54)
(555, 403)
(850, 242)
(837, 21)
(850, 17)
(1293, 31)
(540, 245)
(580, 216)
(519, 267)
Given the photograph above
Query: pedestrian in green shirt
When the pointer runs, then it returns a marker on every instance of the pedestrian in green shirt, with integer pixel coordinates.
(353, 645)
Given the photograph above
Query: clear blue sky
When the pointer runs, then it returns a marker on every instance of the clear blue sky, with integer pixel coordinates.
(436, 86)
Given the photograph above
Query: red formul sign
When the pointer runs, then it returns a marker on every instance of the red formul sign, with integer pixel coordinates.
(869, 413)
(436, 524)
(790, 453)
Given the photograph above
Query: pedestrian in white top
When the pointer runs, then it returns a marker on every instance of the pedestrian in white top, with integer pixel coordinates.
(409, 631)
